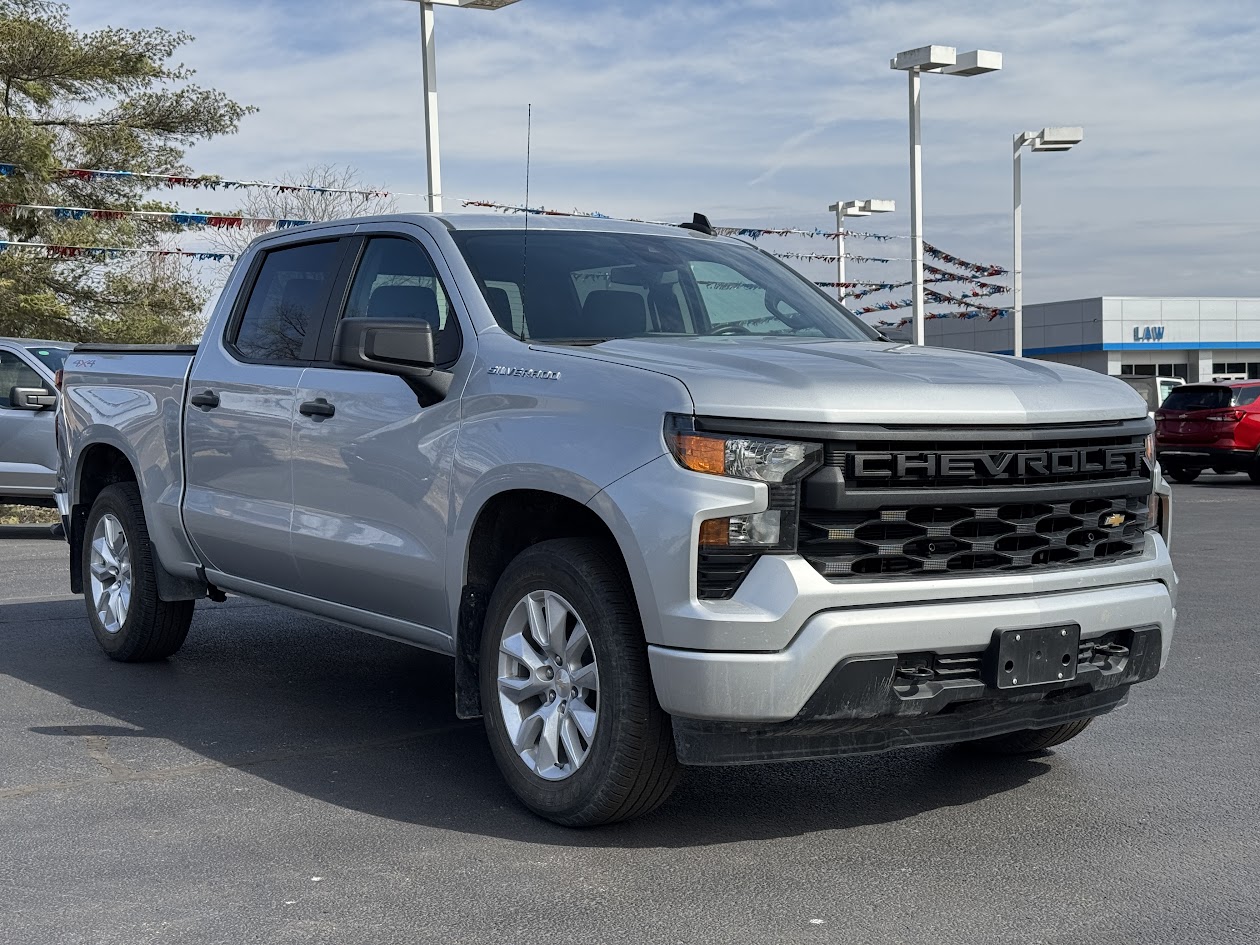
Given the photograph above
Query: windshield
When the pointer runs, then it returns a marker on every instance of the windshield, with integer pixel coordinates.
(52, 358)
(590, 287)
(1198, 398)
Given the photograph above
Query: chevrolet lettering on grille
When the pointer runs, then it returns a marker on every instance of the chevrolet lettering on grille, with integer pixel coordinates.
(1022, 464)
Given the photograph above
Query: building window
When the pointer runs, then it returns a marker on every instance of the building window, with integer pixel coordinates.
(1253, 370)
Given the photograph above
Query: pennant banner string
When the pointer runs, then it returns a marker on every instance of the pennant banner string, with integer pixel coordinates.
(179, 217)
(55, 251)
(203, 181)
(211, 182)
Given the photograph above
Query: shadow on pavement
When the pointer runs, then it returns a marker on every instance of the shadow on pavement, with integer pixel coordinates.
(368, 724)
(15, 532)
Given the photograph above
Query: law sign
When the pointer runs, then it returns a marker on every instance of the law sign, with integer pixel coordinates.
(1148, 333)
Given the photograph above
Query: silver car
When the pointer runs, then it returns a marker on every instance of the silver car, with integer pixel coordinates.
(28, 401)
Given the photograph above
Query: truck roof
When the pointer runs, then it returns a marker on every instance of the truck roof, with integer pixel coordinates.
(510, 221)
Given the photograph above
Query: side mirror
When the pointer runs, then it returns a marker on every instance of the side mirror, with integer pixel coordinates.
(400, 346)
(31, 398)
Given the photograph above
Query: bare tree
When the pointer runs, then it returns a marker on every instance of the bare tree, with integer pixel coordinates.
(327, 202)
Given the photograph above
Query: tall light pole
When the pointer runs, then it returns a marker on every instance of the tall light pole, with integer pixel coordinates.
(944, 60)
(853, 208)
(428, 65)
(1048, 139)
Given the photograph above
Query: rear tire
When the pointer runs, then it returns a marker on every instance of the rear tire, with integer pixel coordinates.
(1254, 474)
(131, 623)
(1029, 741)
(592, 744)
(1183, 475)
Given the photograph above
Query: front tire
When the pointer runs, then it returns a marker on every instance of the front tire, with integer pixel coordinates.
(131, 623)
(1030, 741)
(566, 691)
(1183, 475)
(1254, 474)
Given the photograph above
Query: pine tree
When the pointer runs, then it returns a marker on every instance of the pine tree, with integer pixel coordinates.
(106, 99)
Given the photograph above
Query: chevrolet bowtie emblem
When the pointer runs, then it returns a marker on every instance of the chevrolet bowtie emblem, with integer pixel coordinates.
(1115, 520)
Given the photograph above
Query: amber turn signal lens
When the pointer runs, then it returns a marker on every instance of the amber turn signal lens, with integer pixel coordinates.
(706, 454)
(715, 532)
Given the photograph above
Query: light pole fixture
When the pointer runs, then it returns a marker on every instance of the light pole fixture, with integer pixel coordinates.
(428, 66)
(945, 60)
(853, 208)
(1047, 139)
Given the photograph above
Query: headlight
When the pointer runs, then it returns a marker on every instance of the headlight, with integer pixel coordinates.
(1153, 505)
(742, 457)
(781, 464)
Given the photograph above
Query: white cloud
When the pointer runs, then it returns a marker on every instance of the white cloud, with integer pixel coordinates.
(764, 112)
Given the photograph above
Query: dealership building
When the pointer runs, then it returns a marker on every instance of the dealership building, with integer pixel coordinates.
(1199, 339)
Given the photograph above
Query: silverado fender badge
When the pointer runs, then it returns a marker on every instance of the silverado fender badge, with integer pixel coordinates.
(524, 372)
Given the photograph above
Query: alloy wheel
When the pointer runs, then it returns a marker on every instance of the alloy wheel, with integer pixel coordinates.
(110, 577)
(548, 683)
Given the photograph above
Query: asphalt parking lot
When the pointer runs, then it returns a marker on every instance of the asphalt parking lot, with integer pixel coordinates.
(283, 780)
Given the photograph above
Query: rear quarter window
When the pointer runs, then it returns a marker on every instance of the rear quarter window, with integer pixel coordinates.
(1247, 396)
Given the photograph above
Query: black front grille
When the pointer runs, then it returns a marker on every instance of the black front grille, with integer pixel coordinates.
(914, 668)
(927, 540)
(1016, 461)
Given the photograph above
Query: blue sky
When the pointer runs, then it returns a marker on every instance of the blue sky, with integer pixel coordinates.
(766, 112)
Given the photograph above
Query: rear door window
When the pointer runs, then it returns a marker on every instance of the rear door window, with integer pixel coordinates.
(282, 316)
(1189, 397)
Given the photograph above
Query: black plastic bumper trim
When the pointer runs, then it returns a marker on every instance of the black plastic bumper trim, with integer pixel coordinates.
(863, 706)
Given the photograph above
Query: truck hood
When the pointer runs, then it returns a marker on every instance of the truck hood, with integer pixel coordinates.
(826, 381)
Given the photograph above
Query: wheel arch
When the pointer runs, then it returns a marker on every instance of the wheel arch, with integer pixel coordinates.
(504, 525)
(98, 466)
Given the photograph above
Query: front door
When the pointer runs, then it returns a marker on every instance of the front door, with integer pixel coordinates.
(240, 412)
(28, 449)
(372, 468)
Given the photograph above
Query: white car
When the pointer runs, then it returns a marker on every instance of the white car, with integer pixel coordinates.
(1154, 389)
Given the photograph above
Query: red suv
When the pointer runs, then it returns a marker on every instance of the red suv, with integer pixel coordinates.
(1209, 426)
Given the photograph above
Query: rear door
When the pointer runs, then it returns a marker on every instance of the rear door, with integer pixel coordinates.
(238, 425)
(28, 449)
(372, 470)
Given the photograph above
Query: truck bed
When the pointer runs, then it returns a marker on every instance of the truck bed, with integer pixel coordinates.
(130, 399)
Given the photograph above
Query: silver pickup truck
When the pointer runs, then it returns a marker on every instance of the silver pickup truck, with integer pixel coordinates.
(661, 499)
